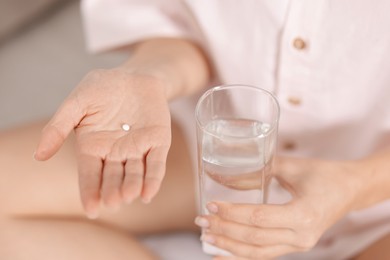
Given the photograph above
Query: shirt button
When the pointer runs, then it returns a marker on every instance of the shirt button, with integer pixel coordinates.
(295, 101)
(289, 146)
(299, 43)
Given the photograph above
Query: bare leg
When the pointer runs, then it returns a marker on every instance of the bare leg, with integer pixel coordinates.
(379, 250)
(41, 214)
(66, 239)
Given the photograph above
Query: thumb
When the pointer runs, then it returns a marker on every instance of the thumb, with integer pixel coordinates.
(67, 117)
(286, 166)
(286, 172)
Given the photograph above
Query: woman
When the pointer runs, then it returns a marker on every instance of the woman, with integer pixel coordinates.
(326, 62)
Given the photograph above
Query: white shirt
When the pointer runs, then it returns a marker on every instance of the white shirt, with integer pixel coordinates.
(327, 61)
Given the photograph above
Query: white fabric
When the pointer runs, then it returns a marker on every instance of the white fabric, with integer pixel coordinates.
(176, 246)
(341, 77)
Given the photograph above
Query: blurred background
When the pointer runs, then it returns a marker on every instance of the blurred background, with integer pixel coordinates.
(42, 57)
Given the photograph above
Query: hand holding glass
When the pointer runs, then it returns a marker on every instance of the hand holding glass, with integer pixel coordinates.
(236, 134)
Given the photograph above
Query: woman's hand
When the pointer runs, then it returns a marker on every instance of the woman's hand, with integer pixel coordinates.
(114, 165)
(322, 192)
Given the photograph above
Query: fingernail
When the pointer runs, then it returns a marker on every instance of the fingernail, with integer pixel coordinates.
(128, 197)
(114, 207)
(202, 222)
(212, 207)
(129, 200)
(146, 200)
(92, 215)
(208, 238)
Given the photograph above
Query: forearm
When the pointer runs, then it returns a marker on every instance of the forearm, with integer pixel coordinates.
(179, 63)
(373, 179)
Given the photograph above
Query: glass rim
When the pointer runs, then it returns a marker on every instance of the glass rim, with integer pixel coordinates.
(274, 123)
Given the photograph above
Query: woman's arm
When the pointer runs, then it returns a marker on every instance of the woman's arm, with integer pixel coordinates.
(180, 63)
(372, 180)
(115, 165)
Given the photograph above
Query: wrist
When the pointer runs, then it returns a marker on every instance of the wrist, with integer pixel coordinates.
(372, 180)
(178, 63)
(155, 74)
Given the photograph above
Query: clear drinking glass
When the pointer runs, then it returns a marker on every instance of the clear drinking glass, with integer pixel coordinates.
(236, 134)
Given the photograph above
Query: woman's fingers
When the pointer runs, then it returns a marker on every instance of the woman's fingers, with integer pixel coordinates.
(113, 172)
(134, 178)
(90, 177)
(131, 148)
(265, 215)
(243, 250)
(144, 166)
(129, 166)
(119, 168)
(67, 117)
(155, 171)
(247, 234)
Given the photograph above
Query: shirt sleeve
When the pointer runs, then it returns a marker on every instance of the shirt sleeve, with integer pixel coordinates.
(115, 23)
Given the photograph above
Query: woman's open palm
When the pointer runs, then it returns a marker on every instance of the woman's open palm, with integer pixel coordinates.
(114, 165)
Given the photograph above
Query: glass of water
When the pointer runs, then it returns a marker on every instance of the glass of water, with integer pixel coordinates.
(236, 134)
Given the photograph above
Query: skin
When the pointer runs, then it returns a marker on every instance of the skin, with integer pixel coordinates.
(41, 216)
(267, 231)
(114, 166)
(40, 202)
